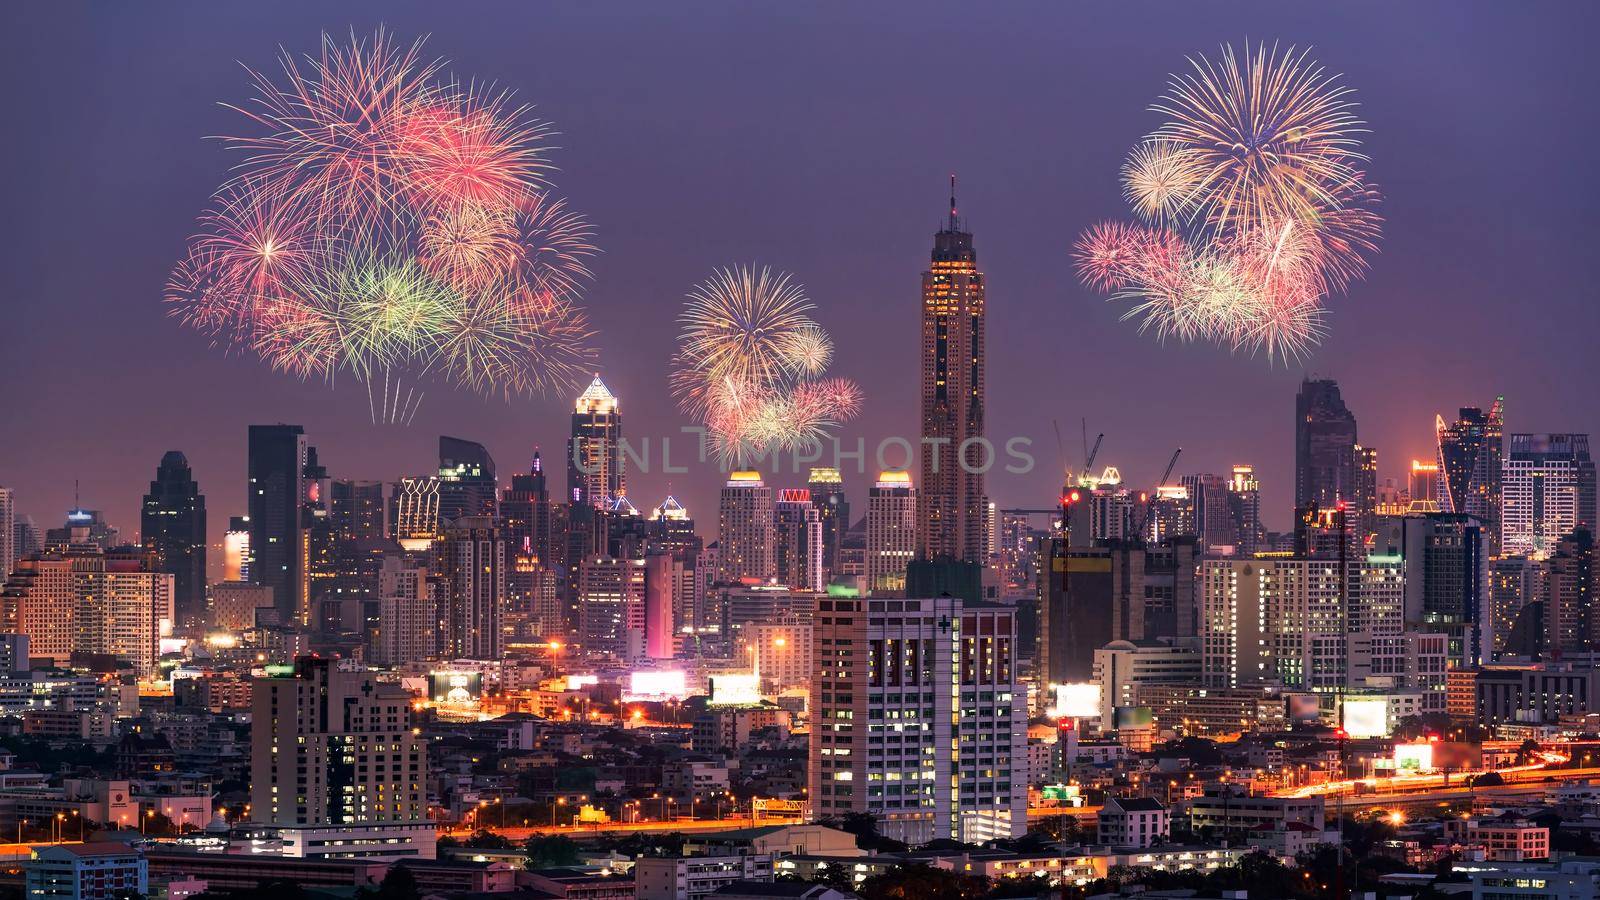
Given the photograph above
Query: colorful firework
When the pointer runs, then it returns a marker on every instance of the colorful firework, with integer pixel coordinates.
(1260, 171)
(750, 362)
(389, 223)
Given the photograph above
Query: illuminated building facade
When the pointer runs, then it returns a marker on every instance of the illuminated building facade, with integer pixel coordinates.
(1423, 483)
(1548, 490)
(470, 558)
(416, 521)
(797, 540)
(611, 606)
(827, 493)
(466, 480)
(595, 472)
(891, 533)
(918, 720)
(335, 766)
(745, 529)
(236, 550)
(951, 504)
(8, 537)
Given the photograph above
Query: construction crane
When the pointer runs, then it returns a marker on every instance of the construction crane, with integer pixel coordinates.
(1089, 453)
(1144, 518)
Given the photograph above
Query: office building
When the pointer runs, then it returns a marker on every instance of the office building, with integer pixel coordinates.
(1325, 443)
(1548, 490)
(467, 484)
(595, 471)
(1424, 485)
(950, 500)
(797, 554)
(1244, 504)
(335, 767)
(1214, 521)
(172, 529)
(827, 492)
(611, 605)
(918, 719)
(1572, 626)
(525, 508)
(744, 529)
(237, 606)
(1446, 577)
(891, 533)
(98, 870)
(1122, 666)
(416, 519)
(1514, 583)
(470, 559)
(276, 466)
(8, 530)
(1470, 462)
(1363, 502)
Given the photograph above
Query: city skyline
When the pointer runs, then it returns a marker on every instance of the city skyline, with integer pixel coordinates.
(1433, 278)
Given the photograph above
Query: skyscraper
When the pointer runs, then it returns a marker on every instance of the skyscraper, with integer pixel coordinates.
(827, 492)
(525, 505)
(355, 510)
(471, 561)
(1572, 626)
(1548, 490)
(1423, 484)
(1324, 446)
(1244, 501)
(595, 472)
(172, 526)
(951, 506)
(1470, 459)
(1364, 498)
(277, 460)
(797, 540)
(891, 533)
(466, 480)
(744, 529)
(236, 549)
(611, 606)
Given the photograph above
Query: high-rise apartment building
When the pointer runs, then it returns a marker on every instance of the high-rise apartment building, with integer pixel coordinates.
(827, 492)
(1244, 503)
(1273, 621)
(1446, 578)
(891, 533)
(1547, 486)
(1324, 446)
(1470, 462)
(1514, 582)
(1571, 624)
(595, 472)
(951, 504)
(470, 558)
(611, 606)
(797, 540)
(744, 529)
(88, 601)
(1213, 510)
(1363, 501)
(276, 465)
(919, 720)
(335, 766)
(409, 612)
(356, 510)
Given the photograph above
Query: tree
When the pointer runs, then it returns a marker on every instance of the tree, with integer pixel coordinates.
(552, 851)
(398, 884)
(484, 839)
(924, 883)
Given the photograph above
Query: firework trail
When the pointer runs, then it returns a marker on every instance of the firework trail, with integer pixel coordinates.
(750, 362)
(390, 224)
(1255, 203)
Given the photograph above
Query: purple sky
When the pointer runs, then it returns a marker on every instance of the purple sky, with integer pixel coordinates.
(813, 137)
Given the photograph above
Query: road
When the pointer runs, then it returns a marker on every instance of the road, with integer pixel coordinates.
(1403, 784)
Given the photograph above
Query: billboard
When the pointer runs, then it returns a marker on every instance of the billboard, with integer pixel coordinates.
(735, 690)
(1076, 701)
(579, 682)
(455, 688)
(654, 685)
(1132, 717)
(1366, 717)
(1413, 758)
(1303, 708)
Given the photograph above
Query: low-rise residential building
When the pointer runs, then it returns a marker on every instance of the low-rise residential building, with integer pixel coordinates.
(103, 870)
(1134, 822)
(695, 877)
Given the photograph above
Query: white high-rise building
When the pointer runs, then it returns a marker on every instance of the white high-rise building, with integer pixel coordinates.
(918, 719)
(611, 606)
(744, 529)
(416, 521)
(1548, 490)
(891, 532)
(1277, 621)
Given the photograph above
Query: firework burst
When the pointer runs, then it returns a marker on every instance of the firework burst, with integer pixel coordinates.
(389, 222)
(1259, 174)
(749, 365)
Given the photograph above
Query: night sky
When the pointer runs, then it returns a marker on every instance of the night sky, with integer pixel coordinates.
(817, 138)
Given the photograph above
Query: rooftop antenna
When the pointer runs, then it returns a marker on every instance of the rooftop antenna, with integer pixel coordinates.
(952, 201)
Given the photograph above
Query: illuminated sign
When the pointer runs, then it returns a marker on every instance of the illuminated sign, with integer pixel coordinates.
(455, 688)
(1304, 707)
(1076, 701)
(1366, 717)
(579, 682)
(735, 690)
(655, 686)
(1413, 757)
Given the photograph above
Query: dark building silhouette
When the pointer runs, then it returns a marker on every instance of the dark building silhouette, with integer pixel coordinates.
(466, 480)
(1471, 450)
(1324, 447)
(277, 458)
(172, 526)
